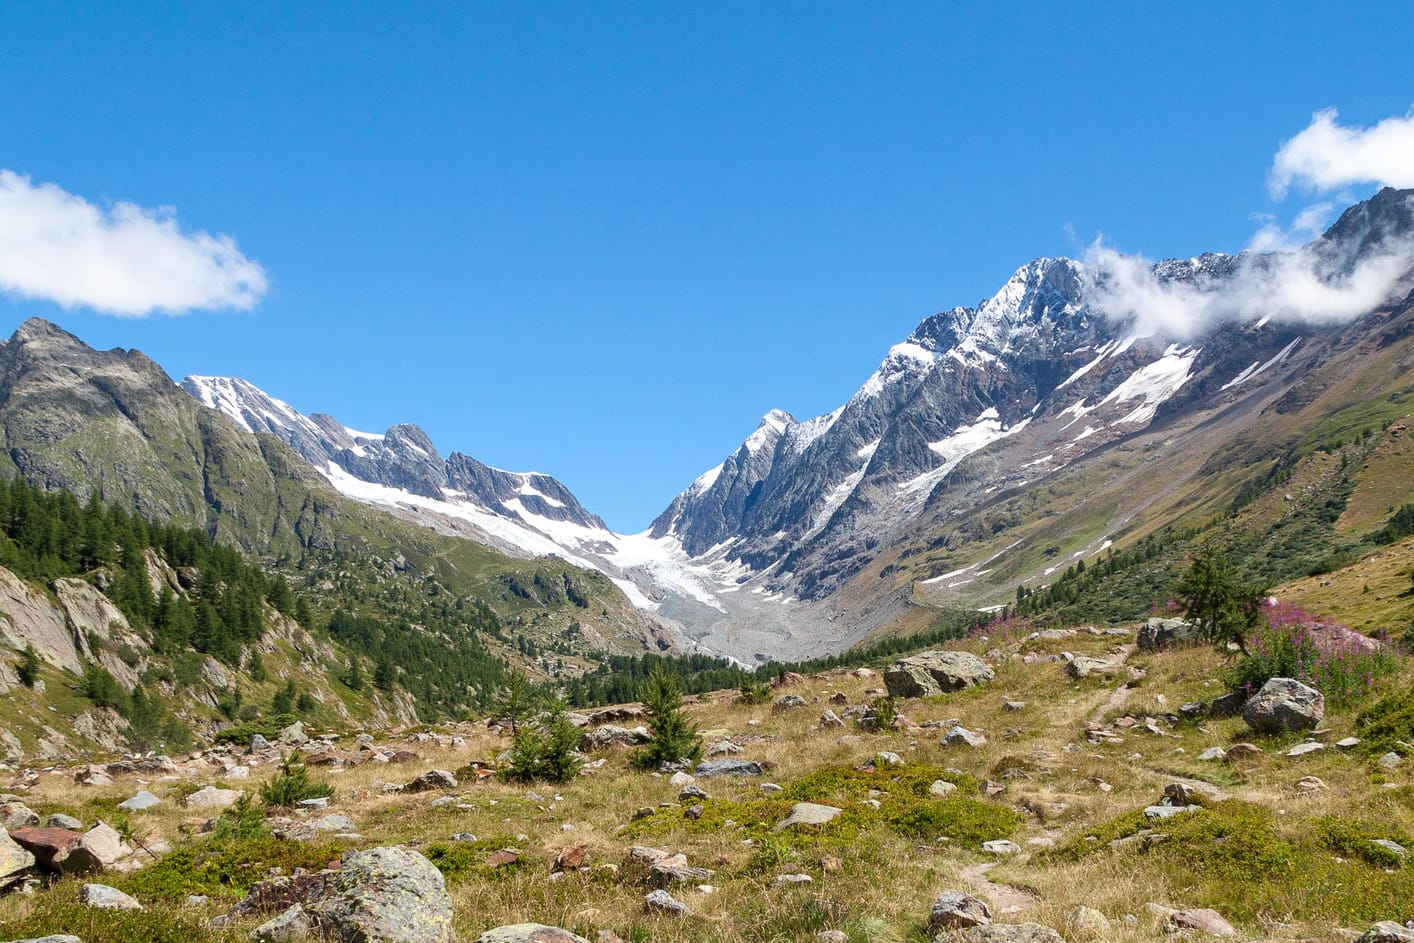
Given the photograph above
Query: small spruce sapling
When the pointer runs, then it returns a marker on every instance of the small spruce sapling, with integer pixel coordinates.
(675, 737)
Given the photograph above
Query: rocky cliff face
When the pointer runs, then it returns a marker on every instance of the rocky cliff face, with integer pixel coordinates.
(403, 458)
(112, 423)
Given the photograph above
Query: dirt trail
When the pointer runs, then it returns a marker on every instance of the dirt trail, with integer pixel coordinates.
(1114, 702)
(1003, 898)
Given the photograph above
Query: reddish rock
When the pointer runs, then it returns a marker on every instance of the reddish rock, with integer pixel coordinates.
(322, 759)
(502, 858)
(571, 858)
(404, 756)
(50, 846)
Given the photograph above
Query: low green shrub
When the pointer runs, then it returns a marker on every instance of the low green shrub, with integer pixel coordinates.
(242, 733)
(221, 868)
(292, 784)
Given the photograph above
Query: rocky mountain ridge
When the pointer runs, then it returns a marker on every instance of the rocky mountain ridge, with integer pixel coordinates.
(765, 555)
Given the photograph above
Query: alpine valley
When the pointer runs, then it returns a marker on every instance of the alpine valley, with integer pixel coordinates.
(1038, 452)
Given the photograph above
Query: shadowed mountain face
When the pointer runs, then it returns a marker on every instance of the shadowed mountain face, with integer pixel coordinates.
(112, 424)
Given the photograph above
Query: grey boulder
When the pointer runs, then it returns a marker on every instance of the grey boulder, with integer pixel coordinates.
(1284, 705)
(954, 910)
(104, 897)
(1159, 634)
(932, 673)
(385, 895)
(529, 933)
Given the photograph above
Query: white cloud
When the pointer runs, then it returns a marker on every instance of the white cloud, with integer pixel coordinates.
(1299, 285)
(1286, 275)
(1326, 155)
(123, 260)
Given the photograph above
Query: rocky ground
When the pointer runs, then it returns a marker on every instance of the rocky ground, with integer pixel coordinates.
(1067, 785)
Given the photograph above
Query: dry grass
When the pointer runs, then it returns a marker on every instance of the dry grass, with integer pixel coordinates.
(1061, 783)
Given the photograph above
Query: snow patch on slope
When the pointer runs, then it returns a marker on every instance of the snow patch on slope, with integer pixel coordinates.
(1154, 383)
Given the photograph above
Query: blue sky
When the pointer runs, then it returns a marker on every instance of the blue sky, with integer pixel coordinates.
(601, 240)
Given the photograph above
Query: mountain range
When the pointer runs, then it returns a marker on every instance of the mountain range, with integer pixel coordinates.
(982, 424)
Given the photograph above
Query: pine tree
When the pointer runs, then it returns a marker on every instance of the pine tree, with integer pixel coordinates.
(675, 737)
(1224, 607)
(515, 699)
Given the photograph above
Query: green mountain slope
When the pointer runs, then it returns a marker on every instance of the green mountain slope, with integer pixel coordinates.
(437, 615)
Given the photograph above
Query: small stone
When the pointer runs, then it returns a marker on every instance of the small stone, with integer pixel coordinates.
(1242, 751)
(941, 787)
(1311, 784)
(1202, 919)
(885, 759)
(830, 719)
(60, 820)
(771, 788)
(535, 933)
(1087, 923)
(258, 744)
(1303, 749)
(430, 780)
(1169, 811)
(661, 902)
(1001, 846)
(142, 800)
(335, 823)
(1389, 760)
(104, 897)
(824, 936)
(784, 880)
(1213, 753)
(212, 798)
(1013, 705)
(1348, 743)
(961, 736)
(808, 813)
(681, 779)
(1393, 846)
(692, 792)
(320, 802)
(289, 927)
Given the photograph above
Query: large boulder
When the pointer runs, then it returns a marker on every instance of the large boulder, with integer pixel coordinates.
(529, 933)
(103, 897)
(955, 910)
(211, 797)
(1284, 705)
(1159, 634)
(385, 895)
(49, 848)
(14, 859)
(601, 738)
(710, 768)
(1010, 933)
(430, 780)
(931, 673)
